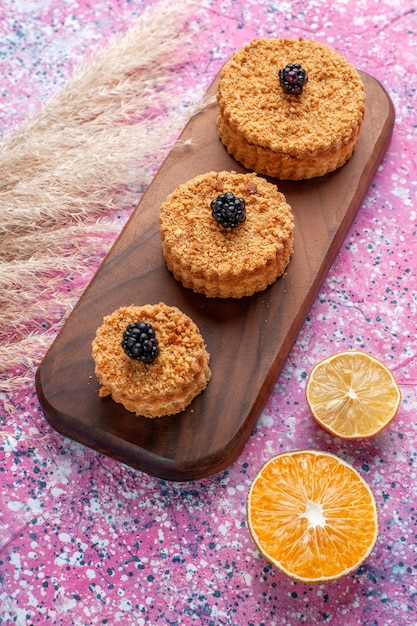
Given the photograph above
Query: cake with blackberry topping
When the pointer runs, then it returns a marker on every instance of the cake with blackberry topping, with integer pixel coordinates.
(226, 234)
(290, 108)
(152, 359)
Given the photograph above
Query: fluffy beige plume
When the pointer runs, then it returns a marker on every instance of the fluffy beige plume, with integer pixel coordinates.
(82, 150)
(69, 171)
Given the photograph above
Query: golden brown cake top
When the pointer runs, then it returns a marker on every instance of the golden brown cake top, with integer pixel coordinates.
(252, 101)
(189, 230)
(181, 351)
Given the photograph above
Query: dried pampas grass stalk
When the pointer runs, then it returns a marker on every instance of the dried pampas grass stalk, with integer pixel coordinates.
(82, 151)
(87, 155)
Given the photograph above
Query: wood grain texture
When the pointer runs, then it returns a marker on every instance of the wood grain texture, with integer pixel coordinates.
(248, 339)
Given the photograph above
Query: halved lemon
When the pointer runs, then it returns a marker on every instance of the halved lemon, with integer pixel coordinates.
(352, 395)
(312, 515)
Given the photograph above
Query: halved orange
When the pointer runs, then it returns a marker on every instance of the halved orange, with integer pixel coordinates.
(312, 515)
(352, 395)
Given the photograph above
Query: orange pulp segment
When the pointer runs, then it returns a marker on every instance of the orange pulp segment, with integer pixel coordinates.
(312, 515)
(352, 395)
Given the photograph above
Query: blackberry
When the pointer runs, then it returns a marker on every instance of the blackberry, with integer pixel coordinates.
(228, 210)
(139, 342)
(293, 78)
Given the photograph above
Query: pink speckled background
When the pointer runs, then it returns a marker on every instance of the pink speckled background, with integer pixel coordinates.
(87, 540)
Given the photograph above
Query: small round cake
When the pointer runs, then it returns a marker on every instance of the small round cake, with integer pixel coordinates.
(290, 108)
(226, 234)
(162, 365)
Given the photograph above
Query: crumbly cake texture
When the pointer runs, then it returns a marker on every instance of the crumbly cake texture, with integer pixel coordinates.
(287, 136)
(177, 375)
(226, 262)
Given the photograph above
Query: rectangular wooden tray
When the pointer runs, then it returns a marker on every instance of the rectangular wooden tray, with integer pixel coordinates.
(248, 339)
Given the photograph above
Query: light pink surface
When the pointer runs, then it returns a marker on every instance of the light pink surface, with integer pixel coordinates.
(87, 540)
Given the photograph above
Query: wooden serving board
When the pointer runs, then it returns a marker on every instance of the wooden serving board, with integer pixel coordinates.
(248, 339)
